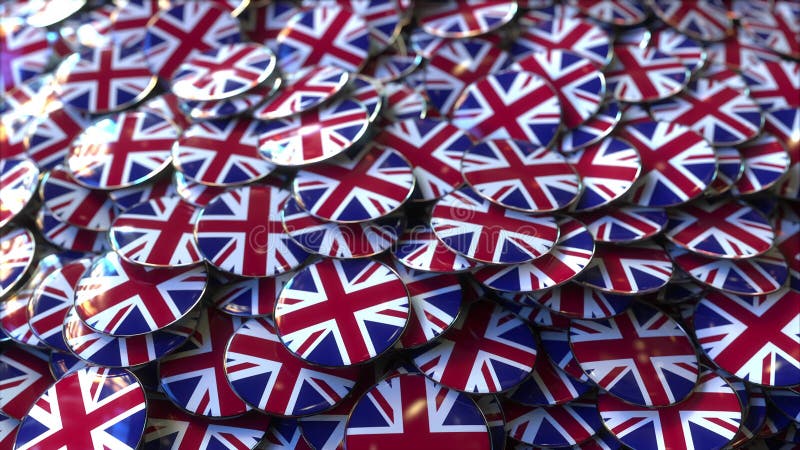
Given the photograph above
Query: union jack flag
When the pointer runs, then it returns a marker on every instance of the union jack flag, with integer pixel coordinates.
(370, 185)
(478, 229)
(548, 385)
(141, 143)
(25, 51)
(328, 34)
(263, 22)
(314, 135)
(177, 33)
(159, 233)
(51, 301)
(418, 248)
(641, 356)
(18, 180)
(565, 261)
(309, 88)
(74, 204)
(615, 12)
(510, 105)
(520, 176)
(241, 232)
(709, 418)
(285, 434)
(70, 237)
(251, 297)
(168, 427)
(266, 375)
(130, 21)
(552, 426)
(458, 63)
(383, 17)
(720, 228)
(382, 417)
(595, 129)
(607, 169)
(785, 125)
(739, 51)
(8, 430)
(774, 26)
(17, 248)
(193, 377)
(95, 407)
(707, 20)
(732, 331)
(434, 148)
(631, 269)
(24, 376)
(582, 302)
(466, 18)
(774, 84)
(645, 74)
(487, 350)
(691, 53)
(565, 33)
(316, 326)
(677, 163)
(766, 162)
(119, 298)
(625, 223)
(51, 134)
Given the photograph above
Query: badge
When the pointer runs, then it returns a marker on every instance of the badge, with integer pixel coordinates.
(19, 178)
(24, 376)
(766, 163)
(555, 426)
(594, 129)
(418, 248)
(17, 248)
(629, 270)
(626, 223)
(624, 13)
(452, 19)
(707, 20)
(645, 74)
(773, 83)
(582, 302)
(567, 33)
(75, 204)
(303, 91)
(51, 134)
(250, 297)
(607, 169)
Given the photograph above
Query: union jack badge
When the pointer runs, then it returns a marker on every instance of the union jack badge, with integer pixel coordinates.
(548, 385)
(418, 248)
(251, 297)
(626, 223)
(645, 74)
(304, 90)
(24, 376)
(51, 134)
(453, 19)
(773, 26)
(624, 13)
(70, 237)
(785, 125)
(607, 169)
(17, 249)
(582, 302)
(773, 84)
(553, 426)
(629, 270)
(19, 177)
(575, 34)
(75, 204)
(766, 163)
(706, 20)
(26, 52)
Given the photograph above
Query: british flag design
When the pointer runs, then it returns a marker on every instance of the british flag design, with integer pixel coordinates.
(305, 90)
(624, 224)
(555, 342)
(520, 176)
(509, 105)
(384, 18)
(774, 26)
(474, 227)
(766, 163)
(176, 33)
(241, 232)
(14, 318)
(74, 204)
(268, 377)
(640, 74)
(452, 19)
(706, 20)
(316, 325)
(548, 385)
(720, 228)
(382, 418)
(575, 34)
(773, 84)
(555, 426)
(19, 177)
(607, 169)
(582, 302)
(159, 232)
(785, 125)
(487, 350)
(93, 406)
(565, 261)
(263, 22)
(677, 163)
(370, 185)
(434, 148)
(119, 298)
(315, 135)
(593, 130)
(26, 53)
(130, 21)
(328, 34)
(631, 269)
(17, 247)
(250, 297)
(168, 427)
(326, 430)
(615, 12)
(8, 430)
(193, 377)
(50, 135)
(689, 51)
(285, 434)
(69, 237)
(418, 248)
(122, 150)
(24, 376)
(127, 198)
(641, 356)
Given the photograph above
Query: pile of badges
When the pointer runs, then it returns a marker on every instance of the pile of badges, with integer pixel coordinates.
(393, 224)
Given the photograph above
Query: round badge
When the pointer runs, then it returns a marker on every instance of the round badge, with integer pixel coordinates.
(580, 85)
(452, 19)
(26, 52)
(434, 148)
(24, 376)
(730, 168)
(418, 248)
(179, 32)
(250, 297)
(327, 34)
(785, 125)
(568, 257)
(706, 20)
(19, 178)
(267, 376)
(430, 413)
(739, 51)
(122, 299)
(593, 130)
(773, 84)
(121, 151)
(625, 224)
(691, 52)
(404, 102)
(492, 108)
(708, 419)
(641, 356)
(548, 385)
(316, 323)
(303, 91)
(567, 33)
(17, 249)
(607, 171)
(555, 343)
(110, 351)
(553, 426)
(51, 301)
(766, 163)
(315, 135)
(241, 233)
(520, 176)
(157, 233)
(112, 399)
(487, 350)
(50, 135)
(337, 240)
(632, 269)
(75, 204)
(752, 337)
(478, 229)
(758, 275)
(70, 237)
(677, 163)
(105, 79)
(720, 228)
(223, 72)
(774, 26)
(625, 13)
(367, 186)
(582, 302)
(645, 74)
